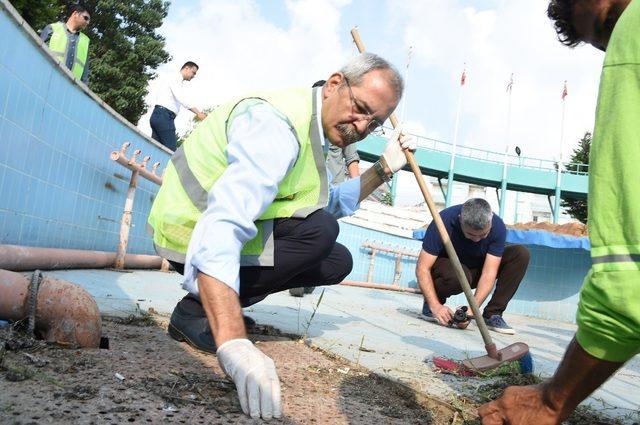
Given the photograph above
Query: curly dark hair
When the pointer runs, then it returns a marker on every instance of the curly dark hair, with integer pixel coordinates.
(561, 13)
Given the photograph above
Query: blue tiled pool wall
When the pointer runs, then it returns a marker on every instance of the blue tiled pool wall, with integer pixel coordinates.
(58, 187)
(549, 290)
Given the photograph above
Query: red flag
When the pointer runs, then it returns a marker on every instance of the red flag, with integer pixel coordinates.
(510, 85)
(463, 78)
(564, 91)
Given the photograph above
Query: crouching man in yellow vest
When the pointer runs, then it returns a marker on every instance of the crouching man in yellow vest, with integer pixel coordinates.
(245, 209)
(68, 44)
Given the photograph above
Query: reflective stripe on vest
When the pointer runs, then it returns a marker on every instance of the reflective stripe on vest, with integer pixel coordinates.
(59, 44)
(616, 258)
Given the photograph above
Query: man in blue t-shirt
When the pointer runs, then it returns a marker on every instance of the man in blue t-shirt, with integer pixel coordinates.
(478, 236)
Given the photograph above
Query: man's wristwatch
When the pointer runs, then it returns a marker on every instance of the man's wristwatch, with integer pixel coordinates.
(380, 171)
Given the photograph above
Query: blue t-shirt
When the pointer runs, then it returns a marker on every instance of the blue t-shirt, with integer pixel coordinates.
(471, 254)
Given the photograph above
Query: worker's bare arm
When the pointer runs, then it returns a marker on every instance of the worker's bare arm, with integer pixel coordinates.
(370, 180)
(553, 401)
(222, 305)
(425, 282)
(392, 160)
(354, 169)
(487, 278)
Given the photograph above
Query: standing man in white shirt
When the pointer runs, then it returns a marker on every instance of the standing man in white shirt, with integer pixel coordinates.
(245, 209)
(168, 101)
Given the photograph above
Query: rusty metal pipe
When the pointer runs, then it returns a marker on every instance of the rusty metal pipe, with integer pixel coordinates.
(23, 258)
(121, 158)
(371, 285)
(65, 313)
(398, 270)
(383, 248)
(125, 222)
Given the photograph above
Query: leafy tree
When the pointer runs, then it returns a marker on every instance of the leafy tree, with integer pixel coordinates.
(125, 48)
(39, 13)
(577, 208)
(126, 51)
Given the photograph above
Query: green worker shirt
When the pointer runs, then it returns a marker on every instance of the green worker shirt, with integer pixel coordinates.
(609, 309)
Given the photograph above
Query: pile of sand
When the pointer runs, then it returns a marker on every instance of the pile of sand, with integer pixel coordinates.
(573, 229)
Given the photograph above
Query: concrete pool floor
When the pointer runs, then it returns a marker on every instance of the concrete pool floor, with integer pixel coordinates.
(396, 342)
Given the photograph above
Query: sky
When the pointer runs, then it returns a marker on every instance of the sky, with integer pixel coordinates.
(245, 45)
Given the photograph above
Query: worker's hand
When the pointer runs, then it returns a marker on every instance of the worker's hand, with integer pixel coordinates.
(520, 406)
(255, 377)
(393, 154)
(201, 116)
(442, 313)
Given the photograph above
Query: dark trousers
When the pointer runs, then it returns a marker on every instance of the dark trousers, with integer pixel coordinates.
(512, 268)
(306, 254)
(163, 129)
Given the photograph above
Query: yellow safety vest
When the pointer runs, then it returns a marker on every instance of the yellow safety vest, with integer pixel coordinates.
(58, 44)
(200, 161)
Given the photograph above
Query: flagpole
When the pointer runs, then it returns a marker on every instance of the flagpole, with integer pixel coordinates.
(394, 179)
(452, 160)
(557, 197)
(503, 184)
(406, 84)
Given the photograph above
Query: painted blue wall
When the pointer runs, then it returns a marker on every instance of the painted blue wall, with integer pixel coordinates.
(58, 187)
(549, 290)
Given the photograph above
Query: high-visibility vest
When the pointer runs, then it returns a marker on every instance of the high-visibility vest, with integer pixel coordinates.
(59, 43)
(198, 163)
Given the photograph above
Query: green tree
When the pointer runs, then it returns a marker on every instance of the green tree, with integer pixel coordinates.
(126, 51)
(39, 13)
(125, 48)
(577, 208)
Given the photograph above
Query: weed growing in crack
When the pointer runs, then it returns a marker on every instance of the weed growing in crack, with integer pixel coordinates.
(313, 313)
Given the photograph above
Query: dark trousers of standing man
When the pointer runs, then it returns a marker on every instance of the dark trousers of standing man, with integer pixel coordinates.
(513, 266)
(306, 254)
(163, 129)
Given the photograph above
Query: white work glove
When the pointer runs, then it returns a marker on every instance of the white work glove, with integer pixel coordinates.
(393, 154)
(255, 377)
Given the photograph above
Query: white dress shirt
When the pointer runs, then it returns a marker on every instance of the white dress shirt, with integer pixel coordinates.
(172, 93)
(244, 191)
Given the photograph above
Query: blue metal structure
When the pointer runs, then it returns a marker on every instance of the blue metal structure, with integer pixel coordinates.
(486, 168)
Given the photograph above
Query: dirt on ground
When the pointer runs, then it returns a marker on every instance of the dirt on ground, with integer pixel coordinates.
(146, 377)
(572, 229)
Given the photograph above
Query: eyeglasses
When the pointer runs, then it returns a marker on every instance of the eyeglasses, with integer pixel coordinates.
(362, 110)
(86, 17)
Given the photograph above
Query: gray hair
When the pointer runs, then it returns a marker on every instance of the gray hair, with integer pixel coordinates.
(476, 213)
(364, 63)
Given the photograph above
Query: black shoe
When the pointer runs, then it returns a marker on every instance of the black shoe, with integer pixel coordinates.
(249, 323)
(192, 329)
(296, 292)
(427, 314)
(189, 324)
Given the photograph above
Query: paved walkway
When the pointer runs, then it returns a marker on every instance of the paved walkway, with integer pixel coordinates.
(384, 322)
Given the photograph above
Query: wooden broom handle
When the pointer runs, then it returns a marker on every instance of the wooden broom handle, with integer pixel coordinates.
(446, 240)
